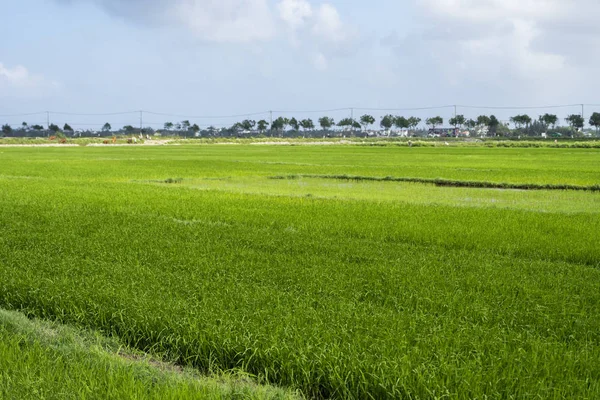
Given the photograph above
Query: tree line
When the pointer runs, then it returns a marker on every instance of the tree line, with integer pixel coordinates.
(523, 123)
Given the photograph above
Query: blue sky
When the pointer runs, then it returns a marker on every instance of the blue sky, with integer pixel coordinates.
(225, 57)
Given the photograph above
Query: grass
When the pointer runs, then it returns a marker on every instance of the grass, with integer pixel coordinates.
(341, 289)
(44, 360)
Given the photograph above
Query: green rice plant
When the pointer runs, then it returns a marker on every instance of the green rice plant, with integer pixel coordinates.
(40, 360)
(390, 290)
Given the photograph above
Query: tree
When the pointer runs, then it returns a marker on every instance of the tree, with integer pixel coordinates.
(307, 124)
(168, 126)
(294, 124)
(346, 123)
(413, 122)
(37, 127)
(129, 129)
(195, 129)
(434, 121)
(595, 121)
(326, 122)
(387, 122)
(483, 120)
(521, 120)
(185, 125)
(24, 126)
(236, 128)
(54, 128)
(106, 127)
(549, 119)
(471, 124)
(67, 128)
(367, 120)
(279, 124)
(356, 125)
(262, 125)
(576, 121)
(248, 124)
(516, 120)
(401, 123)
(493, 124)
(6, 129)
(526, 120)
(458, 121)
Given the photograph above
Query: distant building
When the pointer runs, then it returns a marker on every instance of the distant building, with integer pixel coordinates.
(444, 132)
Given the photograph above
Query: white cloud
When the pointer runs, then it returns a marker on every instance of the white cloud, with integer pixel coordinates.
(240, 21)
(294, 12)
(538, 49)
(524, 34)
(221, 21)
(492, 33)
(318, 30)
(18, 81)
(313, 26)
(328, 25)
(324, 22)
(18, 76)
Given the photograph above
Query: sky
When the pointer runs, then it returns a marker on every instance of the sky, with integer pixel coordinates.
(177, 59)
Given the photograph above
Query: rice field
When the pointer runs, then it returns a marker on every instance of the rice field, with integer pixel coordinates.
(46, 360)
(334, 280)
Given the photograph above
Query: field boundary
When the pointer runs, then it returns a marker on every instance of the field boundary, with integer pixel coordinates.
(448, 182)
(126, 141)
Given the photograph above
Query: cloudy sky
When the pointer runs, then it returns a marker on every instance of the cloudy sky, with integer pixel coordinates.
(225, 57)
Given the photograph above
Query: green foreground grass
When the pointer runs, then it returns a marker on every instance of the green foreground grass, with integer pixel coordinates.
(44, 360)
(341, 289)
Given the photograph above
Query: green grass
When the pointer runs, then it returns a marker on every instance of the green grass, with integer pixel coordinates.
(43, 360)
(342, 289)
(500, 165)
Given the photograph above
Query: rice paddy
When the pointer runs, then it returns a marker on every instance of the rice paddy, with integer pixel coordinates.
(334, 281)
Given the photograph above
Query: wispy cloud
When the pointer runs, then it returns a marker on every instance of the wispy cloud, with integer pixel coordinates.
(319, 29)
(221, 21)
(513, 46)
(18, 81)
(316, 27)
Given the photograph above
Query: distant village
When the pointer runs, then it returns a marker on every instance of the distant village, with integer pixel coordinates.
(545, 126)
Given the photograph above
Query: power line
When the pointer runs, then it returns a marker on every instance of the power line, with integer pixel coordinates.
(310, 111)
(93, 114)
(267, 113)
(405, 109)
(23, 115)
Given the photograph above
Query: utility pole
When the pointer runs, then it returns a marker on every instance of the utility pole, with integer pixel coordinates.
(48, 121)
(271, 122)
